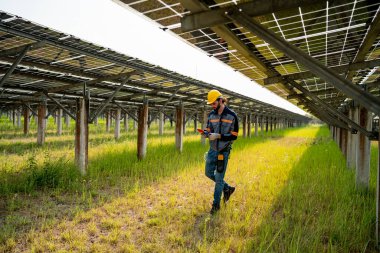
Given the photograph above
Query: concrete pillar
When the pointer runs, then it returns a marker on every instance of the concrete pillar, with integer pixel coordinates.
(161, 123)
(378, 191)
(126, 122)
(142, 131)
(204, 125)
(108, 121)
(35, 117)
(179, 129)
(363, 153)
(245, 125)
(249, 125)
(338, 136)
(41, 126)
(14, 117)
(96, 121)
(271, 123)
(266, 124)
(117, 124)
(275, 123)
(183, 125)
(349, 143)
(354, 139)
(26, 120)
(256, 125)
(81, 134)
(59, 121)
(135, 122)
(344, 134)
(67, 120)
(262, 125)
(195, 123)
(18, 114)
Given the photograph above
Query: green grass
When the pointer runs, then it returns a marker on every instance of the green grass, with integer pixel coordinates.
(294, 194)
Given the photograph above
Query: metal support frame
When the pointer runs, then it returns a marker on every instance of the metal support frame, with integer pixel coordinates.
(126, 111)
(366, 99)
(14, 65)
(367, 43)
(326, 106)
(210, 18)
(60, 105)
(20, 49)
(325, 116)
(309, 74)
(163, 107)
(28, 106)
(109, 99)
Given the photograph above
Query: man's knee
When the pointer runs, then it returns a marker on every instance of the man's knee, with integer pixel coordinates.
(209, 174)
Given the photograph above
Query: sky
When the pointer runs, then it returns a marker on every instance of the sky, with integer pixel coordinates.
(124, 30)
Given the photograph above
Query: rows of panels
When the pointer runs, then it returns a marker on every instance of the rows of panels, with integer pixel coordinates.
(61, 65)
(331, 32)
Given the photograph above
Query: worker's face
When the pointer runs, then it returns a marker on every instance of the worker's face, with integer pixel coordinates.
(215, 104)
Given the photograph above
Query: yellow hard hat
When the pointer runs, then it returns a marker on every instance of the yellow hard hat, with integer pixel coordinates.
(212, 96)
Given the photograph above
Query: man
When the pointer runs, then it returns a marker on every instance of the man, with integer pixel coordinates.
(222, 129)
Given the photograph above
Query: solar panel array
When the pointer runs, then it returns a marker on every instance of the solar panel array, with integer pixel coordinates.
(40, 64)
(332, 32)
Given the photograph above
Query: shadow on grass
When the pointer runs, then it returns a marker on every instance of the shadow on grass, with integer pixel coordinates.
(319, 209)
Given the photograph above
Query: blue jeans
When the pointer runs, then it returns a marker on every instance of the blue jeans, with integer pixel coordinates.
(214, 175)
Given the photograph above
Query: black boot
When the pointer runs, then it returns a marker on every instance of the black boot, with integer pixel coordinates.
(228, 193)
(214, 209)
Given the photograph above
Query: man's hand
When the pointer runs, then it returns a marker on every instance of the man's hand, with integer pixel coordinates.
(214, 136)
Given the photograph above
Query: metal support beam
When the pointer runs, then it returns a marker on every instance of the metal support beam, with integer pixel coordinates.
(126, 111)
(309, 74)
(166, 103)
(14, 65)
(124, 76)
(323, 114)
(60, 105)
(20, 49)
(333, 111)
(109, 99)
(222, 31)
(367, 43)
(366, 99)
(210, 18)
